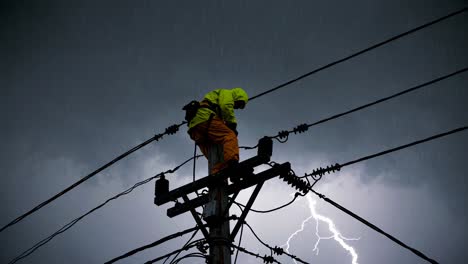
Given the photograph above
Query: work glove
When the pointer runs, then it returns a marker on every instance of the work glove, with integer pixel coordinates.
(233, 127)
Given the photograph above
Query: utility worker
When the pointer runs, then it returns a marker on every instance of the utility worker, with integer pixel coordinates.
(212, 121)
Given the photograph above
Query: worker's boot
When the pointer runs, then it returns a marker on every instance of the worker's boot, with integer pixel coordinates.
(232, 169)
(239, 172)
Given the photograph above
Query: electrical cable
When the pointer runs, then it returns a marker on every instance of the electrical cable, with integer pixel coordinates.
(240, 240)
(305, 187)
(266, 259)
(186, 243)
(174, 252)
(460, 129)
(76, 220)
(274, 209)
(169, 131)
(303, 127)
(318, 173)
(276, 250)
(195, 166)
(194, 161)
(372, 226)
(156, 243)
(191, 255)
(464, 9)
(256, 236)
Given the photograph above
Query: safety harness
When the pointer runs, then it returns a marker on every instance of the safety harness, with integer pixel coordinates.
(192, 108)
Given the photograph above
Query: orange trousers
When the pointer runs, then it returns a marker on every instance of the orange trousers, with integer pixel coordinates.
(216, 132)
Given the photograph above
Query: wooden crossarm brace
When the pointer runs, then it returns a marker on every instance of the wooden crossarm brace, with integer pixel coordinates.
(207, 181)
(246, 210)
(197, 219)
(233, 188)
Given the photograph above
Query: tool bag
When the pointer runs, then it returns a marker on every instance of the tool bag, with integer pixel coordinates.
(191, 110)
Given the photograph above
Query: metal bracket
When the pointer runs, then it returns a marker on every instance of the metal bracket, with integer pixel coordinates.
(231, 189)
(197, 218)
(246, 210)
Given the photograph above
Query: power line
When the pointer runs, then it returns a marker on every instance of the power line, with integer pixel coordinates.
(276, 250)
(240, 240)
(271, 210)
(266, 259)
(154, 244)
(318, 173)
(361, 52)
(186, 244)
(282, 136)
(367, 223)
(305, 187)
(169, 131)
(460, 129)
(191, 255)
(302, 128)
(76, 220)
(193, 244)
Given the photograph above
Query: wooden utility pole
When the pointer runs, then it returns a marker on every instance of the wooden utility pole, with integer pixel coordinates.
(216, 212)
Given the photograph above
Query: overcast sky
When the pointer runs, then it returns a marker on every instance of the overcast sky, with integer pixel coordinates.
(82, 82)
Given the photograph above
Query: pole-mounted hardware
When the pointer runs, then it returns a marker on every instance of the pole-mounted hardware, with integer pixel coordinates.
(216, 200)
(264, 153)
(161, 187)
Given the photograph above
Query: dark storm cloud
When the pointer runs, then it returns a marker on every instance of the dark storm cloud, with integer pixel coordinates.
(84, 82)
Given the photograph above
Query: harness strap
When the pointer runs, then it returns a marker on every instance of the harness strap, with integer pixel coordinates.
(209, 124)
(212, 106)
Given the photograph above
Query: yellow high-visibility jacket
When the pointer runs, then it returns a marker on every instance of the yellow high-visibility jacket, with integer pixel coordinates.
(222, 99)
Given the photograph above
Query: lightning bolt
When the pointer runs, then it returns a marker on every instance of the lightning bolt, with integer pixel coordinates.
(336, 235)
